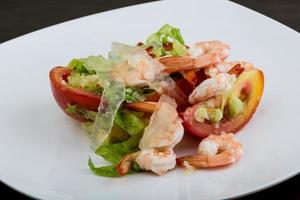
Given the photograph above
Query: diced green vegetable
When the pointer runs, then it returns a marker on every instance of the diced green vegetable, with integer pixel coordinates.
(215, 115)
(235, 106)
(201, 114)
(211, 114)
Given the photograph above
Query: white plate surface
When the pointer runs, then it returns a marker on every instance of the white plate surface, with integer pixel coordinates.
(44, 153)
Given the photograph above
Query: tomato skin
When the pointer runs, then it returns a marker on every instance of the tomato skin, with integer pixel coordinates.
(202, 130)
(65, 94)
(251, 82)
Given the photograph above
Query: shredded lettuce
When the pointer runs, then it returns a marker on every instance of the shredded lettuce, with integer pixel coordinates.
(114, 153)
(87, 73)
(111, 170)
(167, 34)
(86, 82)
(106, 171)
(126, 123)
(134, 95)
(91, 65)
(78, 66)
(90, 73)
(160, 81)
(129, 122)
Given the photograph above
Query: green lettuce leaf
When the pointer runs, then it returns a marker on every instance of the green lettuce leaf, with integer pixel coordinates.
(86, 82)
(107, 171)
(115, 152)
(167, 34)
(129, 122)
(111, 170)
(91, 65)
(89, 73)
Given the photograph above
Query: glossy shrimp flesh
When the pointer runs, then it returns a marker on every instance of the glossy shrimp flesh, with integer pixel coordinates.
(212, 87)
(156, 160)
(214, 151)
(208, 53)
(225, 67)
(161, 135)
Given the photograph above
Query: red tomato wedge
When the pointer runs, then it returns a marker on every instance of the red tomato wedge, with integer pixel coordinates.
(65, 94)
(250, 87)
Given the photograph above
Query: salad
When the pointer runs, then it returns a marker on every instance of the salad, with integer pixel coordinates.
(137, 104)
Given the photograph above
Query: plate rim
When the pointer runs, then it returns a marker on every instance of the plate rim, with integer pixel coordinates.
(276, 181)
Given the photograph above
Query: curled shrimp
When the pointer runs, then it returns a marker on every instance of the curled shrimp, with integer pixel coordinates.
(139, 69)
(161, 135)
(202, 54)
(124, 165)
(224, 67)
(211, 87)
(165, 128)
(214, 151)
(209, 53)
(158, 161)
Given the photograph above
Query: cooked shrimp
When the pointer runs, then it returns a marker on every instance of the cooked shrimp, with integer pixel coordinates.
(161, 135)
(211, 87)
(139, 69)
(125, 164)
(202, 54)
(215, 151)
(165, 128)
(209, 53)
(224, 67)
(157, 160)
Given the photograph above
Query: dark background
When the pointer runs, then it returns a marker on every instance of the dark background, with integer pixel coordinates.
(18, 17)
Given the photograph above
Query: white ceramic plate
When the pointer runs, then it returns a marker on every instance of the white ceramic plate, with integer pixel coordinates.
(44, 153)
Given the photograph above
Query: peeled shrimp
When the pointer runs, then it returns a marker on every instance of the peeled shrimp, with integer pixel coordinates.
(165, 128)
(202, 54)
(208, 53)
(211, 87)
(138, 69)
(215, 151)
(161, 135)
(224, 67)
(157, 160)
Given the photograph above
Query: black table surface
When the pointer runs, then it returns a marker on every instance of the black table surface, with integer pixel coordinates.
(18, 17)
